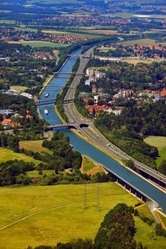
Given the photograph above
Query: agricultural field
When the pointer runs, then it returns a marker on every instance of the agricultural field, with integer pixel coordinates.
(7, 154)
(39, 44)
(46, 212)
(86, 33)
(160, 143)
(141, 42)
(35, 145)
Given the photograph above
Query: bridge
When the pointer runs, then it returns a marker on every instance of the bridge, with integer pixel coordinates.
(67, 126)
(45, 102)
(61, 73)
(52, 101)
(132, 189)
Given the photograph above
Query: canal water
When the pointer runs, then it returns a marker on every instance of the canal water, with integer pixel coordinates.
(85, 148)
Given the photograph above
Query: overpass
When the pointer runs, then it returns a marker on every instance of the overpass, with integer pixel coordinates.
(67, 126)
(52, 101)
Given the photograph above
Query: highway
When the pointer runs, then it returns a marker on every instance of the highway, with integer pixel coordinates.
(91, 134)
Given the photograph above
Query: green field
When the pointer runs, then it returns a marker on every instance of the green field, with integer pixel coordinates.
(160, 143)
(39, 215)
(6, 154)
(157, 141)
(141, 42)
(21, 88)
(40, 44)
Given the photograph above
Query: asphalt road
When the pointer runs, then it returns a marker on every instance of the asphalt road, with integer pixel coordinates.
(91, 133)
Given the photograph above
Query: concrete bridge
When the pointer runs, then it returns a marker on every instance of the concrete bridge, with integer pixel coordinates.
(52, 101)
(67, 126)
(128, 186)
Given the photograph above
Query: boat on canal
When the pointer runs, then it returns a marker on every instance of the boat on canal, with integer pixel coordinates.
(45, 111)
(46, 95)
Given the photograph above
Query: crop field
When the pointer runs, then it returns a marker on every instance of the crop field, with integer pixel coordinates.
(139, 42)
(40, 44)
(35, 145)
(135, 61)
(87, 34)
(102, 31)
(6, 154)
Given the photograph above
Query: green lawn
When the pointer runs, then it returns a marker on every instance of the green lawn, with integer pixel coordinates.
(6, 154)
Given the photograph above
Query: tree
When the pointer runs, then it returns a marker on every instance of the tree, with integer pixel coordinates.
(162, 167)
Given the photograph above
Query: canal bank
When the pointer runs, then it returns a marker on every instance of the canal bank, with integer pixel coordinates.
(85, 148)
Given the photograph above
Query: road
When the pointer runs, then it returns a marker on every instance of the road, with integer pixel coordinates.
(91, 133)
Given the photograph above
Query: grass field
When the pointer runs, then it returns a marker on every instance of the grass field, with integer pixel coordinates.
(88, 33)
(40, 44)
(35, 145)
(52, 209)
(21, 88)
(160, 143)
(141, 42)
(157, 141)
(51, 214)
(6, 154)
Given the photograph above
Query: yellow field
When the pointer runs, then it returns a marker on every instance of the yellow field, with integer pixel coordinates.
(141, 42)
(6, 154)
(157, 141)
(37, 215)
(35, 145)
(46, 215)
(21, 88)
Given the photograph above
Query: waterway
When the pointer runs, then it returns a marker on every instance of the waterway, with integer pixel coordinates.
(53, 88)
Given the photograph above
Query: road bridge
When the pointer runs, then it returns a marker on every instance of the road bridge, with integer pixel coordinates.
(77, 126)
(52, 101)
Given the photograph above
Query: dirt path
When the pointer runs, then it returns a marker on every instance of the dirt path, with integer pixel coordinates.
(36, 213)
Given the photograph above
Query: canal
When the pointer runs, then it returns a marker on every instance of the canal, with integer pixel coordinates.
(53, 88)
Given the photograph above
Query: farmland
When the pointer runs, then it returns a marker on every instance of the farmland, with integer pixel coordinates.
(46, 212)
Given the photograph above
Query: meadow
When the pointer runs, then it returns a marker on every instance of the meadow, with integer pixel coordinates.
(39, 44)
(37, 215)
(141, 42)
(160, 143)
(6, 154)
